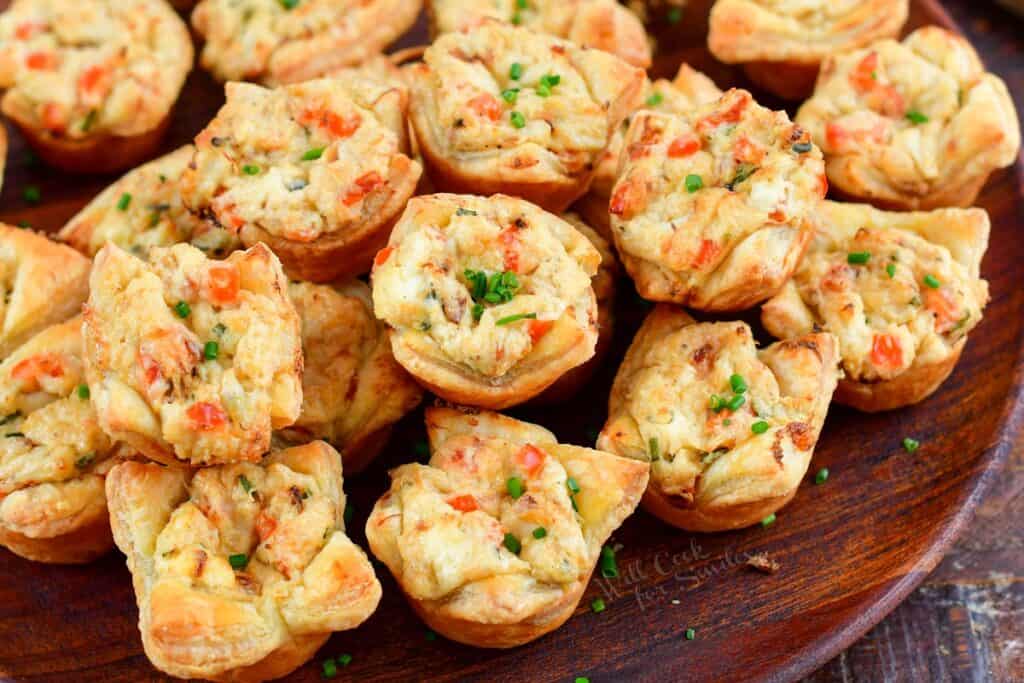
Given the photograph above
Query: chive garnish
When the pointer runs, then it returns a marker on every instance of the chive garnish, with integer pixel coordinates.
(83, 391)
(597, 605)
(822, 476)
(802, 147)
(329, 668)
(911, 445)
(693, 183)
(916, 117)
(609, 567)
(313, 154)
(573, 485)
(244, 482)
(515, 487)
(759, 427)
(515, 72)
(518, 120)
(858, 258)
(769, 520)
(344, 659)
(211, 350)
(716, 403)
(465, 212)
(350, 511)
(736, 402)
(891, 270)
(32, 194)
(251, 169)
(932, 281)
(516, 318)
(690, 634)
(738, 384)
(655, 99)
(513, 544)
(83, 461)
(540, 532)
(238, 561)
(510, 95)
(652, 446)
(124, 202)
(182, 309)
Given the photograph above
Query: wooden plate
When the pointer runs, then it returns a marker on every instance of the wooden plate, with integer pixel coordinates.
(849, 550)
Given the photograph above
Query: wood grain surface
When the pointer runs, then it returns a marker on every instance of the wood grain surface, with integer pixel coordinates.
(849, 550)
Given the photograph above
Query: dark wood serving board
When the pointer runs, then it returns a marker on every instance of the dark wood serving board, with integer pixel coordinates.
(849, 549)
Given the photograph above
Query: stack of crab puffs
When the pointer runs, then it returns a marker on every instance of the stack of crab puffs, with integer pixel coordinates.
(91, 83)
(493, 542)
(241, 571)
(782, 43)
(901, 291)
(601, 24)
(913, 125)
(728, 429)
(688, 90)
(317, 170)
(277, 41)
(714, 208)
(489, 300)
(501, 109)
(192, 361)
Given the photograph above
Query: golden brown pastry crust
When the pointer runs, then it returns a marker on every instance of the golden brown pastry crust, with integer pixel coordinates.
(688, 90)
(3, 152)
(262, 40)
(443, 529)
(353, 390)
(914, 125)
(711, 468)
(53, 454)
(604, 291)
(599, 24)
(321, 178)
(43, 283)
(467, 119)
(489, 300)
(781, 43)
(143, 209)
(900, 336)
(714, 208)
(294, 578)
(190, 360)
(91, 83)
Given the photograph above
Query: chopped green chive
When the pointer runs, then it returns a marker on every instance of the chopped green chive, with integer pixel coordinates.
(182, 309)
(693, 183)
(597, 606)
(513, 544)
(32, 194)
(690, 634)
(510, 95)
(736, 402)
(24, 224)
(329, 668)
(916, 117)
(932, 281)
(769, 520)
(515, 72)
(675, 15)
(891, 270)
(655, 99)
(518, 120)
(90, 119)
(211, 350)
(547, 83)
(802, 147)
(238, 561)
(515, 487)
(540, 532)
(349, 513)
(738, 384)
(289, 4)
(83, 391)
(516, 318)
(517, 18)
(478, 311)
(313, 154)
(911, 445)
(858, 258)
(652, 446)
(522, 4)
(8, 418)
(759, 427)
(822, 476)
(251, 169)
(609, 567)
(15, 435)
(716, 403)
(742, 173)
(244, 482)
(345, 659)
(83, 461)
(573, 485)
(465, 212)
(219, 329)
(124, 202)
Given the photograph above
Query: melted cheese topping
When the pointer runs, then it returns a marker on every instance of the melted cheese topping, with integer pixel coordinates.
(52, 451)
(82, 68)
(267, 40)
(668, 409)
(910, 304)
(421, 287)
(483, 96)
(352, 386)
(909, 118)
(601, 24)
(143, 210)
(697, 189)
(260, 550)
(686, 92)
(448, 531)
(204, 387)
(299, 162)
(799, 30)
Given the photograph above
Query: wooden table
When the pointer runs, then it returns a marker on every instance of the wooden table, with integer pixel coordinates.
(966, 622)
